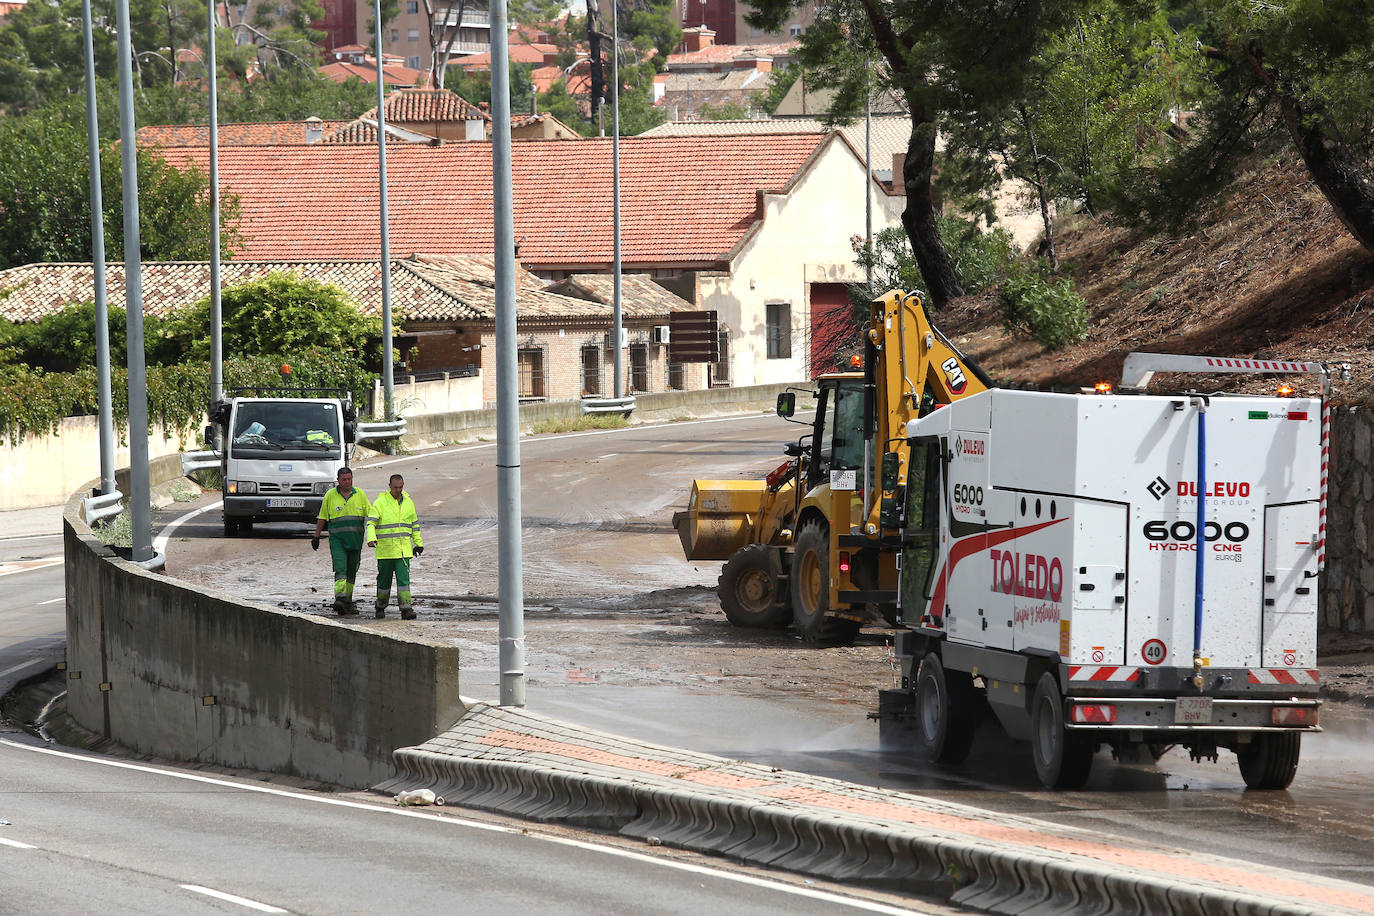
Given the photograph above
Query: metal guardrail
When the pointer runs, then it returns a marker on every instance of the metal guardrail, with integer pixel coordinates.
(99, 508)
(608, 405)
(198, 461)
(385, 429)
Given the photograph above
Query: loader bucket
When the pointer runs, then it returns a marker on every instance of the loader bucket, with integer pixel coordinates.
(720, 517)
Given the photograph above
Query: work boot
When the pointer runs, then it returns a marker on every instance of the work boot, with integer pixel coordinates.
(352, 608)
(381, 611)
(407, 613)
(340, 607)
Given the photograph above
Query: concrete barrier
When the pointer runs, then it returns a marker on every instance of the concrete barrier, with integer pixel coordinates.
(427, 429)
(166, 669)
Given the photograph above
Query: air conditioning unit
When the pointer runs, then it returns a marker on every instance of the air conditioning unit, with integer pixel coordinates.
(624, 338)
(660, 334)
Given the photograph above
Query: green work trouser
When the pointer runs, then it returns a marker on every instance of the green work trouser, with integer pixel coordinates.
(345, 559)
(401, 568)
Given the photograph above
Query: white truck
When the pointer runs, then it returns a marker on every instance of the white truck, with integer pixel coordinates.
(1125, 570)
(281, 450)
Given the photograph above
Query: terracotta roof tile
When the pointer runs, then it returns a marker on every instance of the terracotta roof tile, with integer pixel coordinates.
(890, 132)
(640, 296)
(404, 105)
(423, 288)
(396, 75)
(245, 134)
(519, 52)
(724, 54)
(684, 201)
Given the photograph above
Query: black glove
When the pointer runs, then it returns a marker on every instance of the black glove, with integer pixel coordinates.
(419, 550)
(315, 542)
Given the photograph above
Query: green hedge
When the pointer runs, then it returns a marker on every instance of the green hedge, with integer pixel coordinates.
(34, 402)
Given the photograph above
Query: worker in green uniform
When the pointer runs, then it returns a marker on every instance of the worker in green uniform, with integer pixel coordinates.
(344, 510)
(394, 529)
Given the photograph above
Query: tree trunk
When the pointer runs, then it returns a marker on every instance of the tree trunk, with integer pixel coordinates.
(1339, 175)
(919, 216)
(1040, 189)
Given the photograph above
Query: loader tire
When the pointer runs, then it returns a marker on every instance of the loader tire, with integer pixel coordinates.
(946, 711)
(1270, 760)
(750, 588)
(1063, 757)
(811, 591)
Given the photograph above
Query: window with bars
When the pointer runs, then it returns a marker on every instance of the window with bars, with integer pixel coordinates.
(591, 369)
(639, 367)
(720, 371)
(779, 330)
(677, 376)
(531, 366)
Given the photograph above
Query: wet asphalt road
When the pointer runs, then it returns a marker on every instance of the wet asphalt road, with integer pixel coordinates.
(597, 513)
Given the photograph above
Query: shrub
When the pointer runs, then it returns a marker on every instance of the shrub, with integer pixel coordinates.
(1042, 307)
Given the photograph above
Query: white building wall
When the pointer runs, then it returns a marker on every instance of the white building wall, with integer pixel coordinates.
(805, 238)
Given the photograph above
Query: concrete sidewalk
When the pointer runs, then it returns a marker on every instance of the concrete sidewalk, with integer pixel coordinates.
(519, 763)
(36, 522)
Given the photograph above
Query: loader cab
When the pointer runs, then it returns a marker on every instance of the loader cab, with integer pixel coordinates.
(921, 530)
(837, 442)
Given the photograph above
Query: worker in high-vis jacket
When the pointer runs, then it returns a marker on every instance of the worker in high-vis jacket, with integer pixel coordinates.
(394, 529)
(344, 510)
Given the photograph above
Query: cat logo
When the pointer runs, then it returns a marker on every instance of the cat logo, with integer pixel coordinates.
(955, 373)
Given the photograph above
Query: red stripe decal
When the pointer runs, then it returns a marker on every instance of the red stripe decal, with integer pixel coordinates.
(966, 547)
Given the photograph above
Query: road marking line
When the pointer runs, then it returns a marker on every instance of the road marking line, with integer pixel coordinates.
(15, 843)
(22, 665)
(30, 537)
(160, 542)
(52, 601)
(530, 832)
(241, 901)
(23, 566)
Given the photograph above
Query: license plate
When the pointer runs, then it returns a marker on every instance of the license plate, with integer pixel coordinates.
(285, 502)
(1193, 711)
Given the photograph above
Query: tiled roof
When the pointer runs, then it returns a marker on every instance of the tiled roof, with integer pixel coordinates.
(684, 200)
(640, 297)
(890, 132)
(519, 52)
(269, 133)
(429, 105)
(365, 131)
(579, 81)
(724, 54)
(396, 75)
(423, 288)
(690, 80)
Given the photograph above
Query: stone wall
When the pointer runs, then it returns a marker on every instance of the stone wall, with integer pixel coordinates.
(1347, 588)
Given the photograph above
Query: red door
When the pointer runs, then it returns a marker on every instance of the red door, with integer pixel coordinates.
(832, 326)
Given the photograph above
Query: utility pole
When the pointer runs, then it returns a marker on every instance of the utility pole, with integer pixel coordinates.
(140, 512)
(510, 574)
(102, 318)
(388, 384)
(216, 313)
(619, 373)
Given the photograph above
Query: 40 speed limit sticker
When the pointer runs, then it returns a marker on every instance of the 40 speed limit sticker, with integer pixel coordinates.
(1154, 651)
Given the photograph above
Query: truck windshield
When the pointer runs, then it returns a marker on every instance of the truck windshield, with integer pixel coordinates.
(271, 428)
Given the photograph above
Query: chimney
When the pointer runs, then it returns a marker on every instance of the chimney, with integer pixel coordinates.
(898, 180)
(518, 269)
(474, 128)
(314, 129)
(698, 37)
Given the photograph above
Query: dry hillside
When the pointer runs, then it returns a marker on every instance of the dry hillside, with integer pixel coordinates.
(1273, 275)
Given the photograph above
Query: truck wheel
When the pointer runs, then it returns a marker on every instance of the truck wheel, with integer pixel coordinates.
(1270, 760)
(945, 712)
(811, 591)
(749, 588)
(1063, 758)
(231, 528)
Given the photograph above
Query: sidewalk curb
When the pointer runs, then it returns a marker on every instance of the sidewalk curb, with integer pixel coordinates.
(741, 811)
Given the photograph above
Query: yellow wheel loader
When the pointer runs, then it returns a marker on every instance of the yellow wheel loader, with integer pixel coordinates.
(815, 543)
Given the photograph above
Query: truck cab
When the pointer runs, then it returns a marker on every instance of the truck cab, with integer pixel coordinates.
(281, 454)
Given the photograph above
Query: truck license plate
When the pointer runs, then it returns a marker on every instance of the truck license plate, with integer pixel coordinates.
(280, 502)
(1193, 711)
